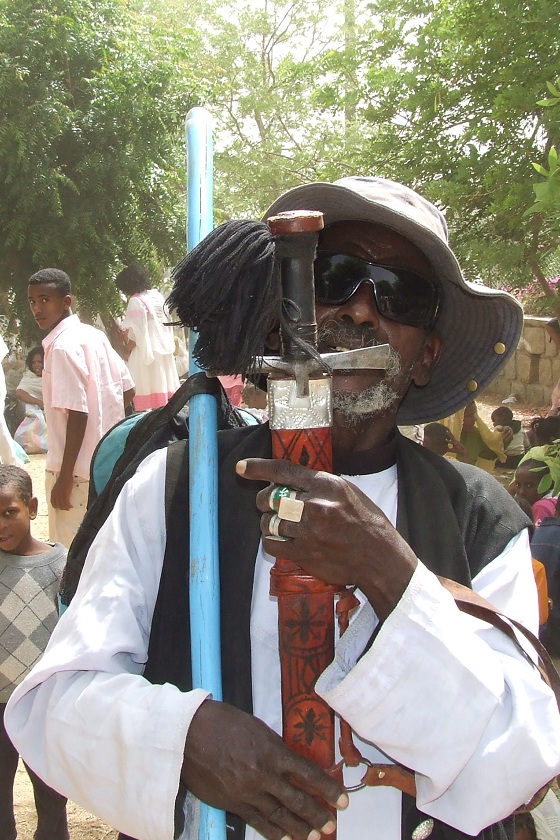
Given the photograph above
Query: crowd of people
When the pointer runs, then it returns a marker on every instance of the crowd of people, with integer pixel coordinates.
(109, 715)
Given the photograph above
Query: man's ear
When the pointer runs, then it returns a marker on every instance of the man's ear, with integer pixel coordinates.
(67, 301)
(428, 359)
(32, 507)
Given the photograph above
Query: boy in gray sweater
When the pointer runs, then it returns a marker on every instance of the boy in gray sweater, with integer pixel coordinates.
(30, 572)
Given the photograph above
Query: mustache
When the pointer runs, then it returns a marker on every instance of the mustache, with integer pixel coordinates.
(348, 335)
(353, 336)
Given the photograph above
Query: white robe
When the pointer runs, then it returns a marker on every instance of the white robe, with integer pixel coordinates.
(481, 740)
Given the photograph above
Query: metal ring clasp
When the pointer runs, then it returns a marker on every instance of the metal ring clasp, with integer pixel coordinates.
(361, 785)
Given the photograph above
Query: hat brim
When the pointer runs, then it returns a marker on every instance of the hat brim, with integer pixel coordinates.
(479, 327)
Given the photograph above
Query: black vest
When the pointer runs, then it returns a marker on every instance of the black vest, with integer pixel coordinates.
(455, 517)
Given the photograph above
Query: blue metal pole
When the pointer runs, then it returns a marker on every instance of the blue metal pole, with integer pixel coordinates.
(203, 459)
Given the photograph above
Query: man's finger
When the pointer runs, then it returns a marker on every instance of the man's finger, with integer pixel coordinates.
(277, 816)
(277, 472)
(312, 778)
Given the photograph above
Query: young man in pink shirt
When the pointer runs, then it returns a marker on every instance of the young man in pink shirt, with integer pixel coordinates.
(86, 388)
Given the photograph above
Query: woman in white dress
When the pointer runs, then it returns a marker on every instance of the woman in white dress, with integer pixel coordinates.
(150, 343)
(31, 433)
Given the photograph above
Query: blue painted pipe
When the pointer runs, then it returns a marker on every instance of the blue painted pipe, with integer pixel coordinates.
(203, 459)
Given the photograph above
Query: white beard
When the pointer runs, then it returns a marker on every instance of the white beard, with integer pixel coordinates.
(375, 400)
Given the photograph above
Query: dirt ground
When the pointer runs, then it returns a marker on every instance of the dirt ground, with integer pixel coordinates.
(84, 826)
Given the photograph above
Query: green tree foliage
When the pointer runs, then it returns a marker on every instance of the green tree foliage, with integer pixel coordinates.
(93, 98)
(443, 96)
(546, 207)
(267, 60)
(447, 98)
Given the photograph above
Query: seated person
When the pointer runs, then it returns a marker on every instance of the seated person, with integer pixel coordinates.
(502, 417)
(483, 447)
(439, 439)
(31, 433)
(543, 430)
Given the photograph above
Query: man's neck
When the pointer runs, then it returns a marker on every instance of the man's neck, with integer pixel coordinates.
(366, 434)
(66, 315)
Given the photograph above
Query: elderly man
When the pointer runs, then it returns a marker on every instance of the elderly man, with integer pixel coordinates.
(421, 683)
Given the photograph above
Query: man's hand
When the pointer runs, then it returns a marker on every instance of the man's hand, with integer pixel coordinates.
(234, 762)
(60, 493)
(343, 537)
(62, 488)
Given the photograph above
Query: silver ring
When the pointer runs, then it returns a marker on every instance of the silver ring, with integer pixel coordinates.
(274, 525)
(291, 509)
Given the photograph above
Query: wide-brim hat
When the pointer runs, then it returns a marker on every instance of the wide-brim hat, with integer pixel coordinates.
(479, 327)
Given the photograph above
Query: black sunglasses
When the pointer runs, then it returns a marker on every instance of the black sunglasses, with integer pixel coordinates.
(401, 295)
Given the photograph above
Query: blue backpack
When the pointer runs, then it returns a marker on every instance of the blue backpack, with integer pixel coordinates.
(123, 448)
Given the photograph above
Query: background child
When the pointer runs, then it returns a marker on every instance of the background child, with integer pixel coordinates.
(439, 439)
(29, 578)
(32, 431)
(543, 430)
(533, 482)
(483, 446)
(502, 417)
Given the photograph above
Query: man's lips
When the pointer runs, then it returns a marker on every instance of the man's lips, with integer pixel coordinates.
(343, 344)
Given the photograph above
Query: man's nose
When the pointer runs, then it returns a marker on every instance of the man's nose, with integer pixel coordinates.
(361, 308)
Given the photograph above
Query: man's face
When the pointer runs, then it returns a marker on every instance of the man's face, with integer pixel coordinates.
(357, 323)
(48, 306)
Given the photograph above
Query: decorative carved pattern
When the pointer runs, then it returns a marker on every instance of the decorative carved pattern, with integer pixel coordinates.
(306, 620)
(288, 411)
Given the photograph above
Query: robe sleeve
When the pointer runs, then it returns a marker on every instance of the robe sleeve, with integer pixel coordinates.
(451, 697)
(85, 719)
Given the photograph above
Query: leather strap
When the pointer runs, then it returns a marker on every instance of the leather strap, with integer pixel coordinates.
(468, 601)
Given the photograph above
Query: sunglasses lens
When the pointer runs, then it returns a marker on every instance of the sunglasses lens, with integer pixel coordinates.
(400, 295)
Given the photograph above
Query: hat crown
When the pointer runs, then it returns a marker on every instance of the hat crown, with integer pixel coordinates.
(398, 199)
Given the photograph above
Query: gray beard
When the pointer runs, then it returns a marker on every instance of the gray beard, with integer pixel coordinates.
(372, 402)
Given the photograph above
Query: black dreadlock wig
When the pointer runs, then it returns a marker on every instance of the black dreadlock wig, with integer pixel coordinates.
(228, 289)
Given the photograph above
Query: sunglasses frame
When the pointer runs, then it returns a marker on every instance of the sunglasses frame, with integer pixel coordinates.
(398, 272)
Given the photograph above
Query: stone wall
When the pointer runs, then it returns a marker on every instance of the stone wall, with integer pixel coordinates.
(533, 370)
